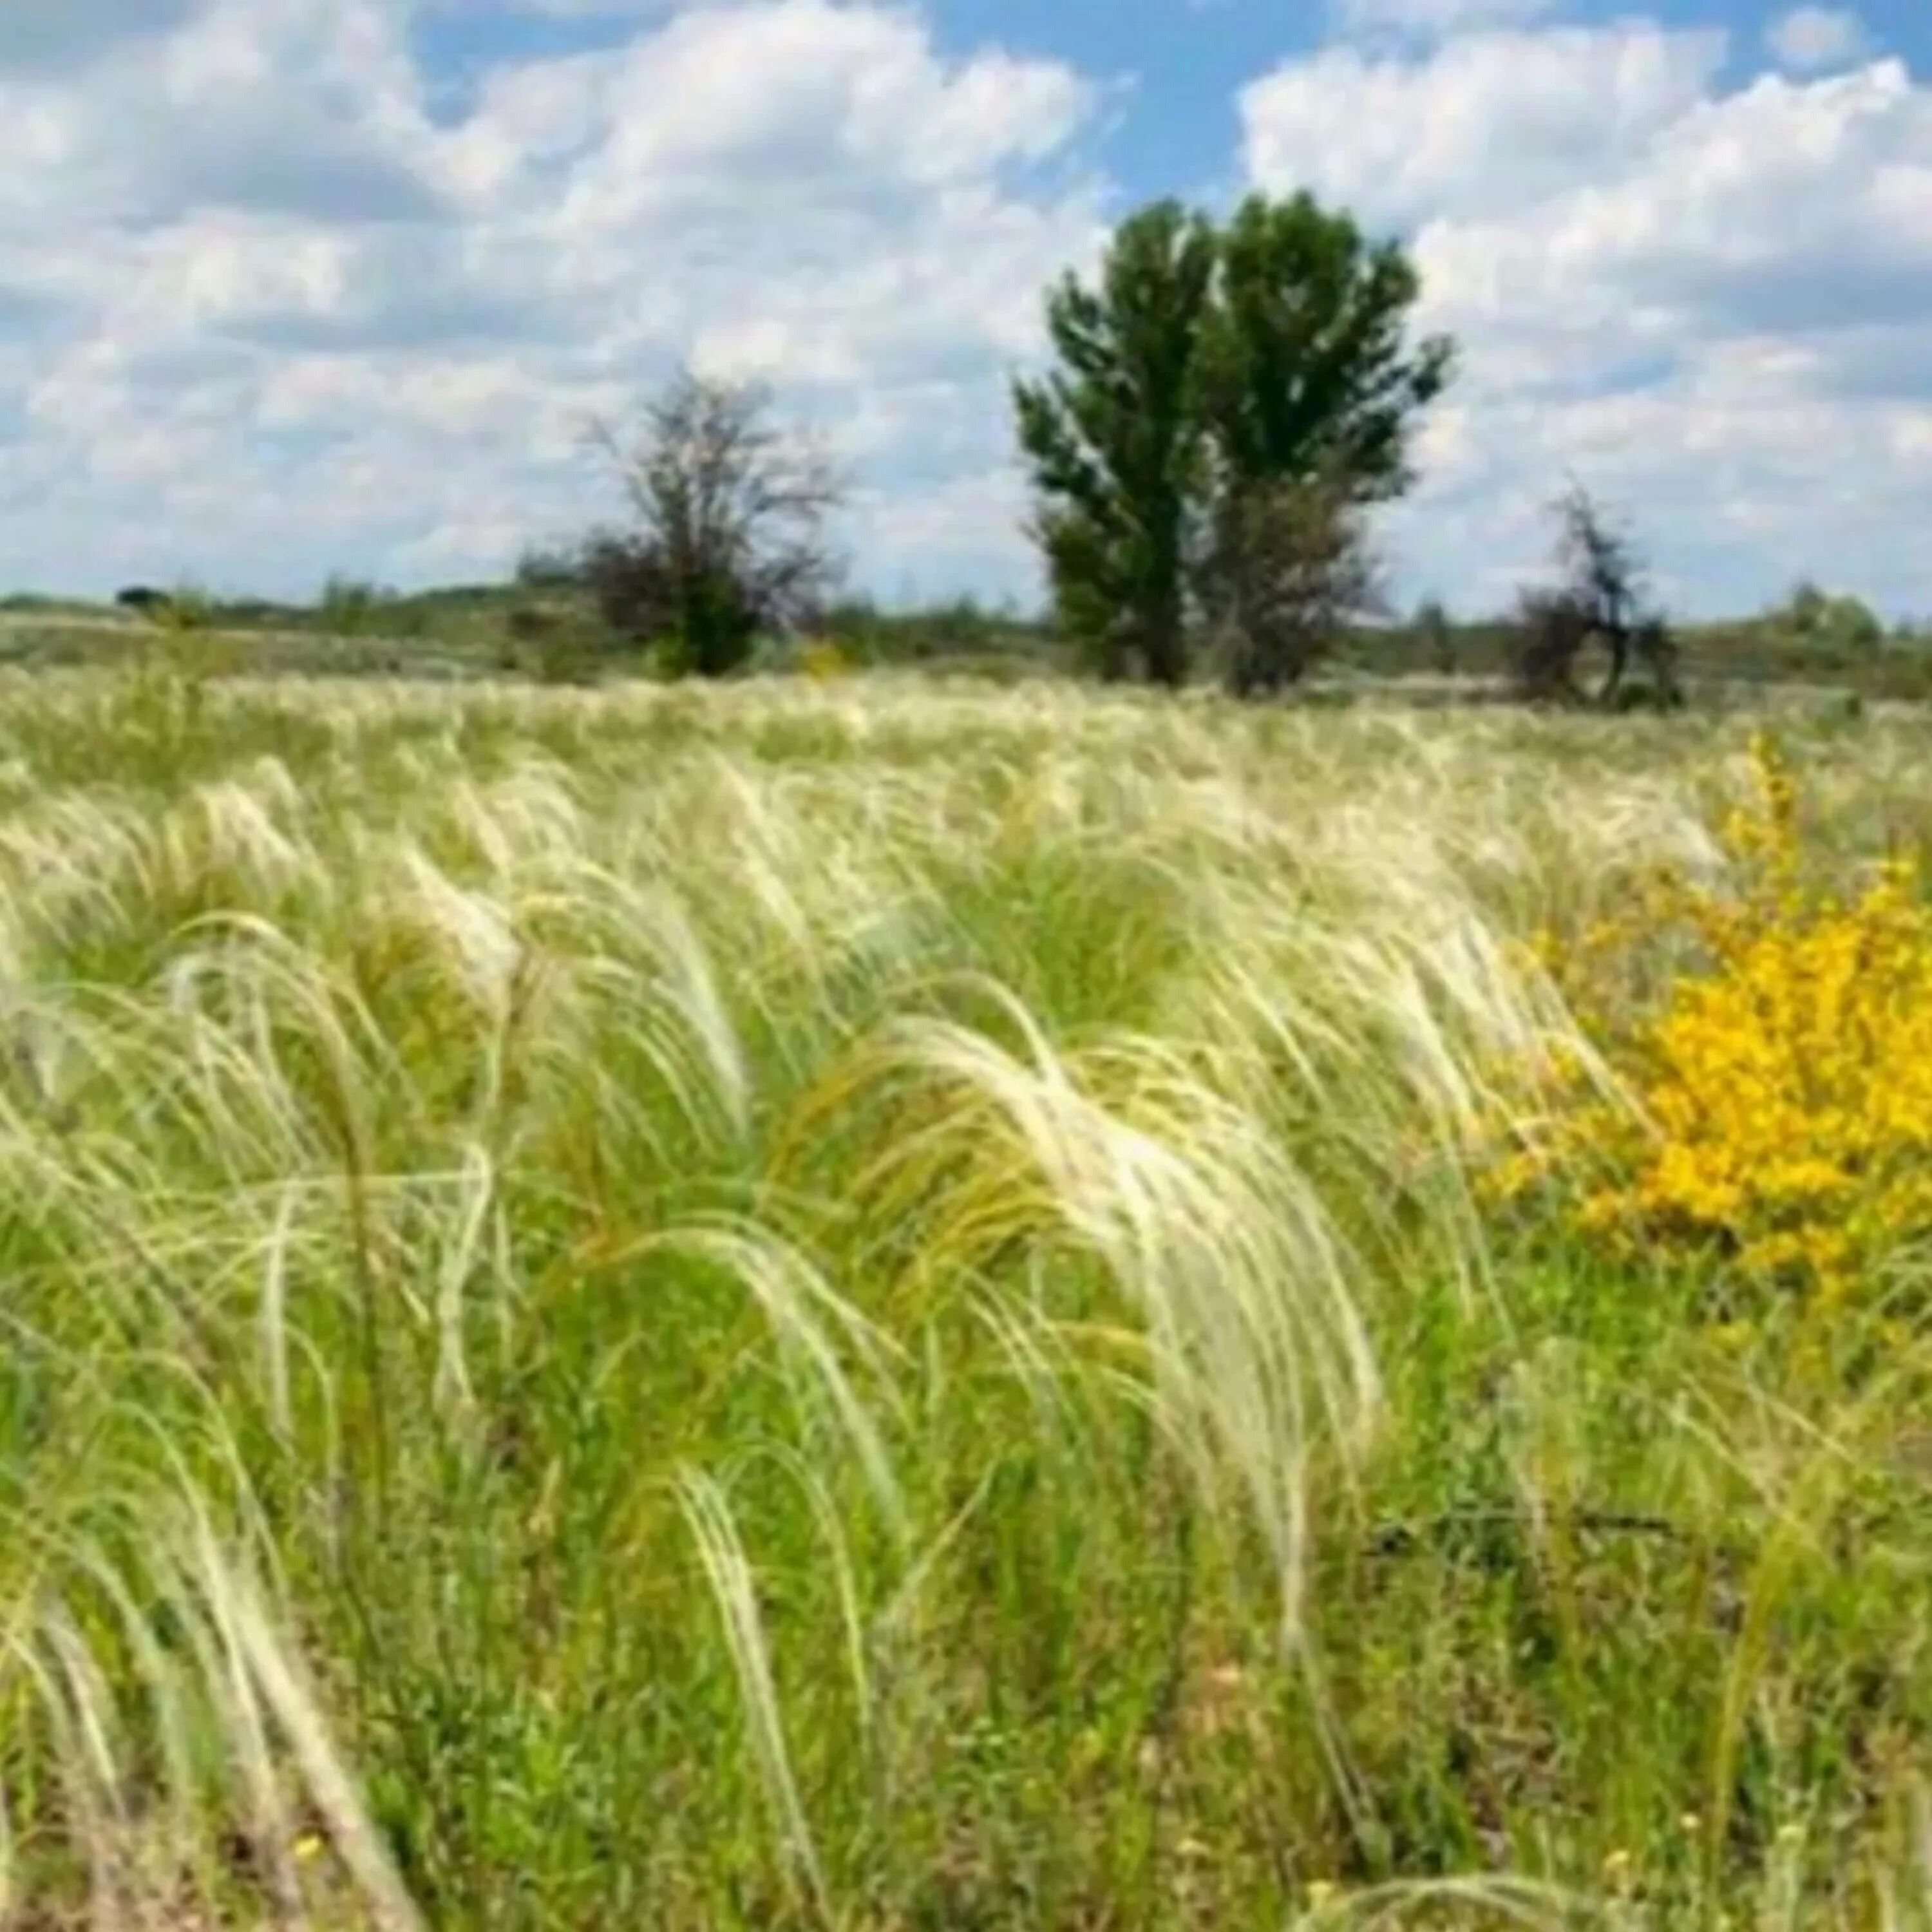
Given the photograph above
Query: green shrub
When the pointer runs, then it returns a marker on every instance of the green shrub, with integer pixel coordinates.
(187, 608)
(1845, 623)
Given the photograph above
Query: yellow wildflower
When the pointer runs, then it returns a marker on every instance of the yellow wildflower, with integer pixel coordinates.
(1783, 1084)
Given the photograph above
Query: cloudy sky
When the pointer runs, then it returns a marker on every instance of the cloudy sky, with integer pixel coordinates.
(292, 285)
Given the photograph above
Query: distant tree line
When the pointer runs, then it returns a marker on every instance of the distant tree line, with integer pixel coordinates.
(1226, 404)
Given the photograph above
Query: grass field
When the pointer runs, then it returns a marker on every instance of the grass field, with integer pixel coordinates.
(873, 1306)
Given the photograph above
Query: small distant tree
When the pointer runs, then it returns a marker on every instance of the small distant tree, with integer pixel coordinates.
(1856, 625)
(1597, 604)
(350, 607)
(541, 567)
(1804, 609)
(1437, 635)
(728, 533)
(186, 607)
(1843, 623)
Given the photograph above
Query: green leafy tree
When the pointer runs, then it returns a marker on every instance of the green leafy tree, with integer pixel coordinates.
(1114, 439)
(1215, 390)
(1307, 371)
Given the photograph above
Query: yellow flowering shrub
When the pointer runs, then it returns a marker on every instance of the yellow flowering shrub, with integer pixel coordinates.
(1782, 1083)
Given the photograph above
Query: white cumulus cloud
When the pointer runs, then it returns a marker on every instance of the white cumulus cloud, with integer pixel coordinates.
(1809, 38)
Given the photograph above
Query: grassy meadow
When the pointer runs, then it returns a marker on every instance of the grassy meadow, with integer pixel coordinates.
(878, 1305)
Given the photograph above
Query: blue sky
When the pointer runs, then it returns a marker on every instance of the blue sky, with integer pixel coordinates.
(291, 286)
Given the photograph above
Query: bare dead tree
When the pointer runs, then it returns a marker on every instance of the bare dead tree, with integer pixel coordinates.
(728, 536)
(1598, 602)
(1285, 566)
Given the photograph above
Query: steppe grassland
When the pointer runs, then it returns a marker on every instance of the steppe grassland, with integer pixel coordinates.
(874, 1305)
